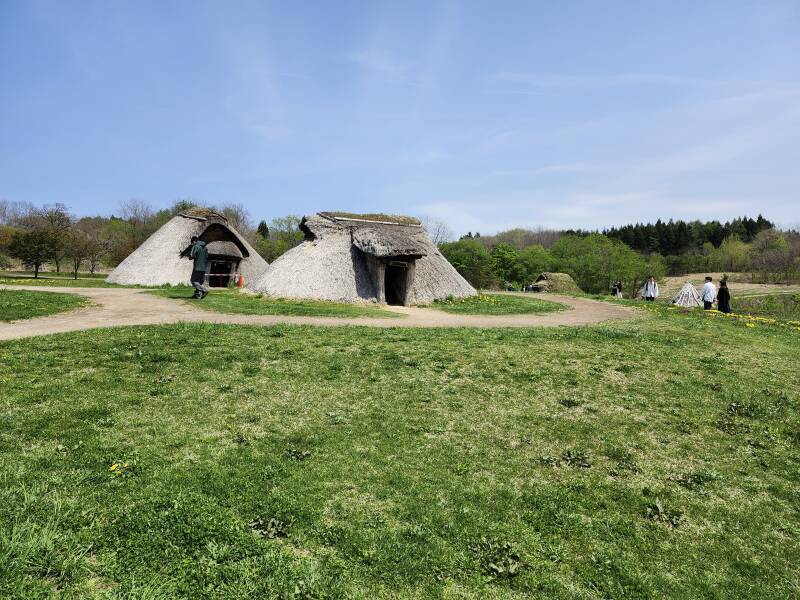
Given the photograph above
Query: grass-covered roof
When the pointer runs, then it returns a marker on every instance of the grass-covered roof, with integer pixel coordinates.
(377, 217)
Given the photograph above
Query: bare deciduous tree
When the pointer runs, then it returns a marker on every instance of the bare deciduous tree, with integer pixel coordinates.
(139, 215)
(238, 217)
(438, 230)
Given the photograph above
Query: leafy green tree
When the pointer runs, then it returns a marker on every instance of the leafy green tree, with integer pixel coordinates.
(283, 233)
(504, 263)
(732, 255)
(595, 262)
(531, 262)
(33, 247)
(472, 260)
(57, 219)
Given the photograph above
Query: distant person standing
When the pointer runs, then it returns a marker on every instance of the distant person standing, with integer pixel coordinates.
(709, 294)
(616, 289)
(199, 254)
(650, 289)
(724, 297)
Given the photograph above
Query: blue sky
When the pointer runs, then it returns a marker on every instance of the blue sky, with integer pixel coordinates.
(488, 114)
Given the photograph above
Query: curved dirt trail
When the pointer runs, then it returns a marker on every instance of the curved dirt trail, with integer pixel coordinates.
(115, 307)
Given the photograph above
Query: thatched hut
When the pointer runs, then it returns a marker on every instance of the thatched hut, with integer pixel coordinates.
(164, 257)
(556, 283)
(349, 258)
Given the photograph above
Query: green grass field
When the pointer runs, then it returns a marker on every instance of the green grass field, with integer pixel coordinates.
(236, 302)
(23, 304)
(496, 304)
(60, 275)
(785, 306)
(655, 458)
(88, 282)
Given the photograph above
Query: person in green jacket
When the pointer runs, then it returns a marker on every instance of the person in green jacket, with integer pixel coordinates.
(199, 254)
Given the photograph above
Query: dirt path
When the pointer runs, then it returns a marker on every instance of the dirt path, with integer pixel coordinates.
(114, 307)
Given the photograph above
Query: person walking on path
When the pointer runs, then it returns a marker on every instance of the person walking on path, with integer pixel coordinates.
(199, 254)
(724, 297)
(650, 289)
(709, 294)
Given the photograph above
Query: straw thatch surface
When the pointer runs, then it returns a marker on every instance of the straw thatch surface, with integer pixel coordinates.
(333, 263)
(163, 258)
(391, 240)
(557, 283)
(687, 296)
(224, 248)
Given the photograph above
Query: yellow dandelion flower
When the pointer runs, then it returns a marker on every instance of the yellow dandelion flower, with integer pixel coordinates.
(113, 467)
(749, 324)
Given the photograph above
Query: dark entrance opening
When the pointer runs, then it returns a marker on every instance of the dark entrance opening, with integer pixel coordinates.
(396, 282)
(220, 273)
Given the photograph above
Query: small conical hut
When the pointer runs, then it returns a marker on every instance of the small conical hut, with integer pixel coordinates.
(348, 257)
(687, 296)
(556, 283)
(164, 257)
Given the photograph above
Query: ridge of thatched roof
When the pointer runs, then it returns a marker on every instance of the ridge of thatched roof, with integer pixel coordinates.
(371, 217)
(202, 213)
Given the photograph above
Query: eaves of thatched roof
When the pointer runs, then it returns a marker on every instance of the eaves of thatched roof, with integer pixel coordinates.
(385, 241)
(224, 248)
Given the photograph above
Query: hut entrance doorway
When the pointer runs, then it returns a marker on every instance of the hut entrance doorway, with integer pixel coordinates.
(396, 282)
(221, 273)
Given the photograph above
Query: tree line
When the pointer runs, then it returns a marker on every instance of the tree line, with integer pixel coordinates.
(514, 258)
(51, 235)
(594, 261)
(681, 237)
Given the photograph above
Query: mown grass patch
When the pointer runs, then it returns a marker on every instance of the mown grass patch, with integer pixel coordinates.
(24, 304)
(627, 460)
(496, 304)
(237, 302)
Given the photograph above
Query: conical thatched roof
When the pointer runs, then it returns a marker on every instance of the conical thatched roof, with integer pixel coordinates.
(163, 258)
(558, 283)
(345, 255)
(687, 296)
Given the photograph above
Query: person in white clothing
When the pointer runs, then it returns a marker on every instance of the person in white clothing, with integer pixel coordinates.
(650, 289)
(709, 294)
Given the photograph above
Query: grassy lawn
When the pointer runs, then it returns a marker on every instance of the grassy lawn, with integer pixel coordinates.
(89, 282)
(236, 302)
(62, 274)
(656, 458)
(785, 306)
(496, 304)
(23, 304)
